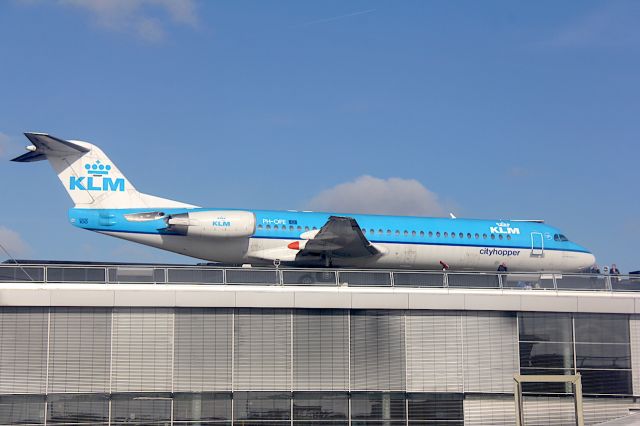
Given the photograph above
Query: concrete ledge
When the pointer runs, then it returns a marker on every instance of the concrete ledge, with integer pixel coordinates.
(379, 300)
(82, 297)
(205, 299)
(25, 297)
(436, 301)
(549, 303)
(604, 304)
(156, 298)
(323, 299)
(265, 299)
(484, 302)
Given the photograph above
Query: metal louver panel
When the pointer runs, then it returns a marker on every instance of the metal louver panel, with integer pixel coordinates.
(599, 410)
(488, 410)
(142, 349)
(262, 345)
(434, 352)
(23, 349)
(634, 334)
(79, 350)
(377, 350)
(490, 351)
(202, 350)
(320, 350)
(549, 411)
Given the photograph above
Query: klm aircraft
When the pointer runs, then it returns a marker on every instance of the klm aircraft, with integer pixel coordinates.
(106, 202)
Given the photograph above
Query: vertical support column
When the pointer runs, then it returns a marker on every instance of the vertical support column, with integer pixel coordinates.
(577, 392)
(517, 392)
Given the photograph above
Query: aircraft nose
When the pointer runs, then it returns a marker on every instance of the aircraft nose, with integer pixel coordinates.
(587, 260)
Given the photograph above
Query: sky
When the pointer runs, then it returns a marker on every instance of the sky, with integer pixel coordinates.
(494, 109)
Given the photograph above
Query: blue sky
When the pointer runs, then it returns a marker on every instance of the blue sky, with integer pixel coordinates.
(494, 109)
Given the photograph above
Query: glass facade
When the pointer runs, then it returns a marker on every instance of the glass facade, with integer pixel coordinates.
(595, 345)
(267, 366)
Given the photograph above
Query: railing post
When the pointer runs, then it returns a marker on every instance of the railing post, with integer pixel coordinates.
(555, 282)
(500, 285)
(607, 281)
(224, 276)
(445, 280)
(392, 278)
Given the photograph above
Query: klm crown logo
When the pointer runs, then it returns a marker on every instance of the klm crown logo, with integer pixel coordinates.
(97, 168)
(98, 179)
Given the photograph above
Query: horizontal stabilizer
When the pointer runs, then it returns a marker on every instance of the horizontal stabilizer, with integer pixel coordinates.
(45, 146)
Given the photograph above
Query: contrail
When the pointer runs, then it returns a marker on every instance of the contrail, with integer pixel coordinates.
(335, 18)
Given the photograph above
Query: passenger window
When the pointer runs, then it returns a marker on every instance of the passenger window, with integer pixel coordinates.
(453, 235)
(406, 233)
(371, 231)
(431, 234)
(268, 227)
(422, 233)
(314, 228)
(413, 233)
(493, 236)
(275, 227)
(468, 236)
(508, 237)
(397, 232)
(299, 228)
(500, 236)
(477, 235)
(438, 234)
(388, 231)
(306, 228)
(446, 234)
(461, 235)
(291, 228)
(364, 231)
(259, 226)
(484, 236)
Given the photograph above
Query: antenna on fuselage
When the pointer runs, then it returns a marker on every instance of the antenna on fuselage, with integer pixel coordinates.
(452, 216)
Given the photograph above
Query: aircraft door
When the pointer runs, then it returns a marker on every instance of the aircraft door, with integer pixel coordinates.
(537, 244)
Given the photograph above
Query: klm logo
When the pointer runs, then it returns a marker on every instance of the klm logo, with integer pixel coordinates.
(98, 179)
(222, 223)
(504, 228)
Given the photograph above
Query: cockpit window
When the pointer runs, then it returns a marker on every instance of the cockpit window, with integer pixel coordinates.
(560, 237)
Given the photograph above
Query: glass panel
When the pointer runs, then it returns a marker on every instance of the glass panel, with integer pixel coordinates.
(318, 277)
(527, 282)
(435, 406)
(377, 406)
(141, 409)
(78, 409)
(546, 355)
(261, 406)
(630, 283)
(580, 282)
(546, 387)
(602, 328)
(196, 276)
(320, 406)
(197, 407)
(21, 409)
(615, 382)
(320, 422)
(593, 355)
(473, 280)
(252, 276)
(130, 274)
(536, 326)
(354, 278)
(418, 279)
(75, 274)
(26, 273)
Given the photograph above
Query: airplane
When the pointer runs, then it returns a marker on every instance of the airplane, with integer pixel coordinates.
(106, 202)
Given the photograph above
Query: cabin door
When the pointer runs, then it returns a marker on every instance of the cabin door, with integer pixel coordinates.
(537, 244)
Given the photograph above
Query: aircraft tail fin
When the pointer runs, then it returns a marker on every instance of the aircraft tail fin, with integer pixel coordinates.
(89, 176)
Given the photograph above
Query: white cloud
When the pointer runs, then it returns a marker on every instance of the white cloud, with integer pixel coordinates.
(368, 194)
(614, 24)
(13, 242)
(144, 18)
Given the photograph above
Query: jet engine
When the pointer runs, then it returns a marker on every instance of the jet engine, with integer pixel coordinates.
(215, 224)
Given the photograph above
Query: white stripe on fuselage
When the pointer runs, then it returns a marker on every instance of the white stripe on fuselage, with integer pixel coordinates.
(415, 256)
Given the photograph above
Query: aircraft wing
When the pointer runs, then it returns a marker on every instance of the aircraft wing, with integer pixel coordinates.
(339, 237)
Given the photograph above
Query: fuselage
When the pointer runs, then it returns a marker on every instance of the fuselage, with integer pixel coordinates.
(402, 241)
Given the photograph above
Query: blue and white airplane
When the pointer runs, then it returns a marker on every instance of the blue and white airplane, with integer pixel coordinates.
(106, 202)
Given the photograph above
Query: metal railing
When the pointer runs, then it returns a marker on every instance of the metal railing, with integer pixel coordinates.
(205, 275)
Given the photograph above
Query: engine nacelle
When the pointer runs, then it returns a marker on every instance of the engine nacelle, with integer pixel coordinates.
(215, 224)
